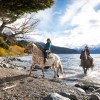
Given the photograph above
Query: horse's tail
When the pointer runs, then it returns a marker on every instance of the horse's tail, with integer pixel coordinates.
(61, 68)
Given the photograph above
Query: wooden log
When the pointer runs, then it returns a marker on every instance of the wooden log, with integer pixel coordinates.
(9, 87)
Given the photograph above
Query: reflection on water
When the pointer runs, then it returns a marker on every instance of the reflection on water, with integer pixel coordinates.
(73, 72)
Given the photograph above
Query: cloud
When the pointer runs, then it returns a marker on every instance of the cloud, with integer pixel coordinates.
(79, 24)
(45, 19)
(71, 11)
(87, 21)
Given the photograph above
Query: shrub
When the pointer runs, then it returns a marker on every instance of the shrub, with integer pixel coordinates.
(16, 50)
(1, 40)
(4, 45)
(13, 50)
(3, 52)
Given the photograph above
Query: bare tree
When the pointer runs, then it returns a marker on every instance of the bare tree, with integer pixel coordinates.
(24, 27)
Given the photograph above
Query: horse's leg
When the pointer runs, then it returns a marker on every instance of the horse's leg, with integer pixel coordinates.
(30, 70)
(54, 72)
(53, 66)
(43, 72)
(57, 72)
(61, 68)
(84, 70)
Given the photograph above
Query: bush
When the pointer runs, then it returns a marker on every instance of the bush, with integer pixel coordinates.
(3, 52)
(16, 49)
(1, 40)
(4, 45)
(22, 43)
(13, 50)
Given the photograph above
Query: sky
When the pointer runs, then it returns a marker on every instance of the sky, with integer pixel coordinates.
(69, 23)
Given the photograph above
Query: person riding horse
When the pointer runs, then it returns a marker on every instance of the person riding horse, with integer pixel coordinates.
(47, 49)
(88, 53)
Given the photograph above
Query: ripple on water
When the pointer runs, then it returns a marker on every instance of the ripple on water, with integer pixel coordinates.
(73, 72)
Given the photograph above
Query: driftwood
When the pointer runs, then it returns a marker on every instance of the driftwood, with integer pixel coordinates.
(9, 87)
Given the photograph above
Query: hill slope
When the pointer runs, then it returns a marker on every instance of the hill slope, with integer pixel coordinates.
(60, 50)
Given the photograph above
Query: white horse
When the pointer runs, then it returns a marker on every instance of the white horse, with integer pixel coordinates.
(38, 59)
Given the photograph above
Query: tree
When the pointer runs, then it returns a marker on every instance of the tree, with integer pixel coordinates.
(10, 10)
(27, 25)
(14, 8)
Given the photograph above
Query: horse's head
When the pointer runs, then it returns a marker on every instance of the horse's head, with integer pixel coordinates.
(84, 55)
(29, 47)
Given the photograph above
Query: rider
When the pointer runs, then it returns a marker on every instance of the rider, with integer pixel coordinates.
(88, 53)
(47, 49)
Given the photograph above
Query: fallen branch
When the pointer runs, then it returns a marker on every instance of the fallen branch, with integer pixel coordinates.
(9, 87)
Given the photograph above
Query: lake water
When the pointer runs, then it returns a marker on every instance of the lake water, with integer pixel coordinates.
(73, 72)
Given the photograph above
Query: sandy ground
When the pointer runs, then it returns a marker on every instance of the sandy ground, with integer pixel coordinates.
(17, 85)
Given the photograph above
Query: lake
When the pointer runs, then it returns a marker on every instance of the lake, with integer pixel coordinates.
(73, 72)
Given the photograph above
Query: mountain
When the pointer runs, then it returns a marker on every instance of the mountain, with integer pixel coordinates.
(93, 50)
(60, 50)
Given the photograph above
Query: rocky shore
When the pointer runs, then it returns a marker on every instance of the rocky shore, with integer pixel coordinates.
(15, 84)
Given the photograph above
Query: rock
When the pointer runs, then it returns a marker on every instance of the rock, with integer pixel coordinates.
(19, 60)
(0, 65)
(20, 68)
(22, 81)
(24, 67)
(30, 80)
(68, 95)
(77, 85)
(98, 90)
(81, 90)
(12, 67)
(55, 96)
(4, 65)
(13, 59)
(94, 97)
(91, 89)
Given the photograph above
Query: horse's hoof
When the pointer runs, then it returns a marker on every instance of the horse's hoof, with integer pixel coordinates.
(57, 75)
(85, 73)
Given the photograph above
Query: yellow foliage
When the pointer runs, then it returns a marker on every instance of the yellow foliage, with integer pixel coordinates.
(16, 49)
(13, 50)
(3, 52)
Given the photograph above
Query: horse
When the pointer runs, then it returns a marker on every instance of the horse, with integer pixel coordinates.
(86, 63)
(38, 59)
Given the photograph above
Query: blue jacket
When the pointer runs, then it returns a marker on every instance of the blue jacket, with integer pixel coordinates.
(47, 46)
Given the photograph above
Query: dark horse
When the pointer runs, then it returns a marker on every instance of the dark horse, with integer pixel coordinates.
(86, 62)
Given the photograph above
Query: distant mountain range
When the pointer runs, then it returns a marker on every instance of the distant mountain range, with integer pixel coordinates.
(60, 50)
(64, 50)
(93, 50)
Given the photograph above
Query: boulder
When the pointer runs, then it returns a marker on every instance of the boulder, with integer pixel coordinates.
(81, 90)
(98, 90)
(91, 89)
(68, 95)
(55, 96)
(5, 65)
(94, 97)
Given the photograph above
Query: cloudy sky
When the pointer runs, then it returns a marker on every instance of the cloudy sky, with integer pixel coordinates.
(70, 23)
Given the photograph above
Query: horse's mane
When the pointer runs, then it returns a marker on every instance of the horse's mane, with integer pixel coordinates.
(39, 46)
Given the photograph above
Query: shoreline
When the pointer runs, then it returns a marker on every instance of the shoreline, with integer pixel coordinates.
(15, 84)
(24, 87)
